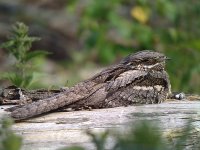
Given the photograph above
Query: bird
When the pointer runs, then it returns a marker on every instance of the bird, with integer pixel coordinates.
(139, 78)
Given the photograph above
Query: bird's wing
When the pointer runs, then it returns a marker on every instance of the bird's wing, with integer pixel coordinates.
(124, 79)
(123, 90)
(138, 87)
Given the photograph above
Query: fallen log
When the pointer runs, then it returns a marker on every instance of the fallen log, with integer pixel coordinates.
(58, 129)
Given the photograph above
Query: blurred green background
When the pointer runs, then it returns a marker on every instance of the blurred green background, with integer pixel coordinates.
(84, 36)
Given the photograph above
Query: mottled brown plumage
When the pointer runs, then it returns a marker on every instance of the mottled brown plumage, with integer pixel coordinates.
(139, 78)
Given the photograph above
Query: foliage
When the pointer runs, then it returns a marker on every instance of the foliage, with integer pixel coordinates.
(18, 45)
(99, 140)
(114, 28)
(8, 139)
(144, 135)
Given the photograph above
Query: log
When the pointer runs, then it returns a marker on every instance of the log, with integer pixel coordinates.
(58, 129)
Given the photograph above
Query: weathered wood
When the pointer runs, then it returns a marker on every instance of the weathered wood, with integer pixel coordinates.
(58, 129)
(15, 95)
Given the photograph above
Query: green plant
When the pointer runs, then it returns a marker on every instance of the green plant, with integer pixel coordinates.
(18, 45)
(8, 139)
(115, 28)
(99, 140)
(145, 135)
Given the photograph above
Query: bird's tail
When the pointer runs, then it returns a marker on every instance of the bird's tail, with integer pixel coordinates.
(74, 94)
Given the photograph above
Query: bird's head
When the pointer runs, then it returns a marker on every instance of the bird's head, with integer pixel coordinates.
(146, 60)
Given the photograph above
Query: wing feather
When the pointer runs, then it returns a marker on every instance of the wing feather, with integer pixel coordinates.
(124, 79)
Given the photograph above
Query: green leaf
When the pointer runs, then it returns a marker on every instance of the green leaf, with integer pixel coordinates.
(8, 139)
(142, 136)
(106, 54)
(12, 142)
(28, 80)
(99, 140)
(35, 54)
(6, 123)
(16, 79)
